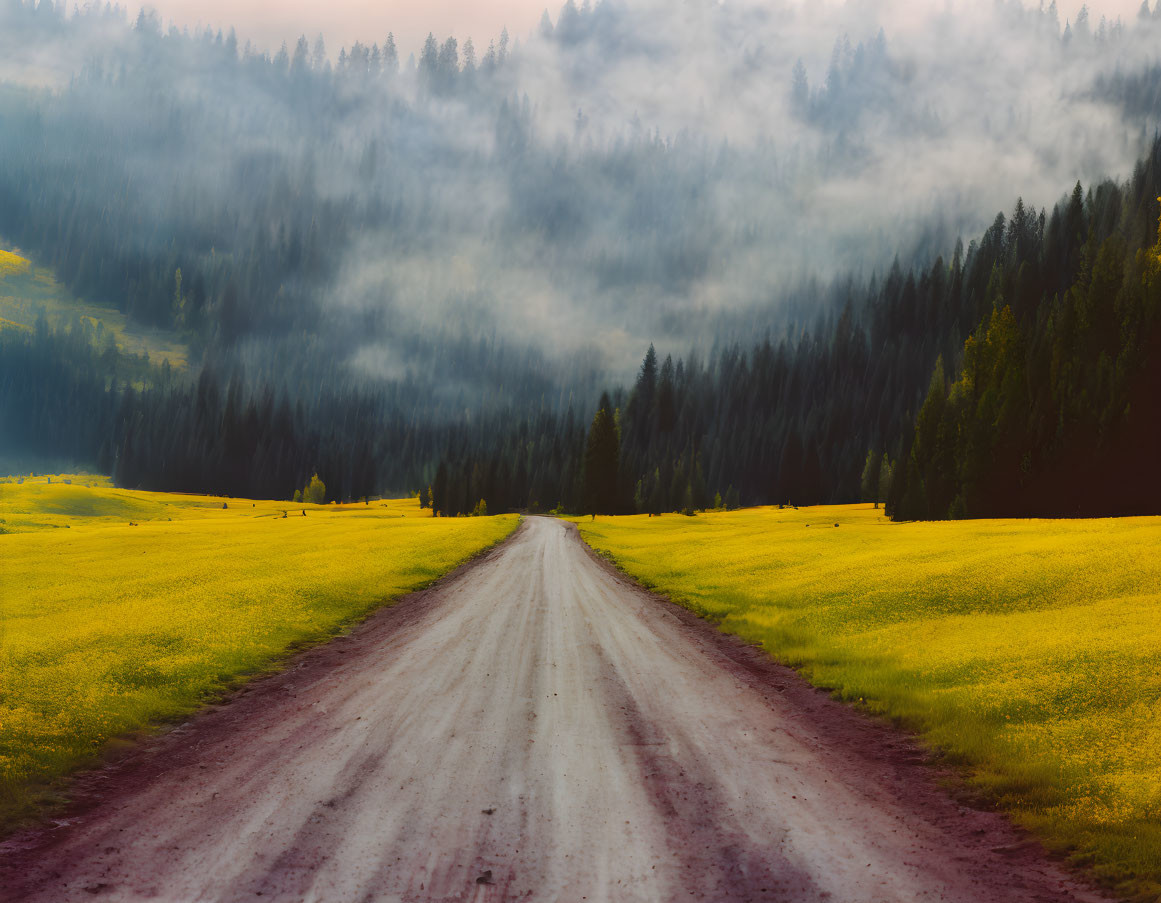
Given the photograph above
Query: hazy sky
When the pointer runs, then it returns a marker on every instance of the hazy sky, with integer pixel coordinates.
(341, 22)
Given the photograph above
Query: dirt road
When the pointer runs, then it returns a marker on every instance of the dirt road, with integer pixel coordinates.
(533, 728)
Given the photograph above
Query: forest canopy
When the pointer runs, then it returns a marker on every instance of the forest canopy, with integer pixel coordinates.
(393, 264)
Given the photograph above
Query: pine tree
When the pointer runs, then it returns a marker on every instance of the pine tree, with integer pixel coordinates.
(886, 474)
(439, 488)
(390, 55)
(429, 62)
(869, 482)
(800, 89)
(666, 406)
(602, 463)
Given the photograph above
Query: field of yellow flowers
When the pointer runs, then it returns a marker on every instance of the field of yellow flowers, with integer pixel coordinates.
(1027, 651)
(120, 609)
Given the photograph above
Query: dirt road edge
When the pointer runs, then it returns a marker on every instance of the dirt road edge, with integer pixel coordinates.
(73, 795)
(909, 770)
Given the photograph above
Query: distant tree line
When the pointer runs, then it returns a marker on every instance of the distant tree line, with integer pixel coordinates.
(65, 395)
(62, 396)
(112, 181)
(1038, 345)
(200, 184)
(1055, 409)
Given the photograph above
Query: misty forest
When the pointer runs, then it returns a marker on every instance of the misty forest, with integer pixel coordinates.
(640, 260)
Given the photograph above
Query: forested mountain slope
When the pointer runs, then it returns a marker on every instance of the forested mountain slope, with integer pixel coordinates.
(1055, 413)
(422, 272)
(1053, 410)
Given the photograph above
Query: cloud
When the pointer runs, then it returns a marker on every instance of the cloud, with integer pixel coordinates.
(644, 171)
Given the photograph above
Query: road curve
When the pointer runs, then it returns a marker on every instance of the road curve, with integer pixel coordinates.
(534, 728)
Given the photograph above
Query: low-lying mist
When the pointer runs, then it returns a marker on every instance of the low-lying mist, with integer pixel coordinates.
(630, 173)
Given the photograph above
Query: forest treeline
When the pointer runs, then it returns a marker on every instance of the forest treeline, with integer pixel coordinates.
(296, 193)
(1042, 334)
(64, 395)
(415, 274)
(1050, 407)
(1054, 406)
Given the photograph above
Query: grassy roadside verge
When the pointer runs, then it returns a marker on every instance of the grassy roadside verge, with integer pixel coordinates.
(1028, 651)
(120, 610)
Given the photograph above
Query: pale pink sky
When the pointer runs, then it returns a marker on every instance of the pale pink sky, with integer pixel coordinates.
(341, 22)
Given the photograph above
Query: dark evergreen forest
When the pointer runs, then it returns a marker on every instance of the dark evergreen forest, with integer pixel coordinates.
(311, 274)
(1049, 406)
(1054, 406)
(1040, 346)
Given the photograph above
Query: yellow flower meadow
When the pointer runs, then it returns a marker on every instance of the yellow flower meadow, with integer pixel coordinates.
(12, 264)
(119, 609)
(1029, 651)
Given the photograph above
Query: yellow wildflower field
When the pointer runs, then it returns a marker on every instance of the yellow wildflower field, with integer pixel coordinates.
(1028, 651)
(12, 264)
(121, 609)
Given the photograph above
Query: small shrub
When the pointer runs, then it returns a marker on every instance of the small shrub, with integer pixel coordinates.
(315, 492)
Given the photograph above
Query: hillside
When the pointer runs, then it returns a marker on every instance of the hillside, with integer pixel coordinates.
(28, 292)
(422, 272)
